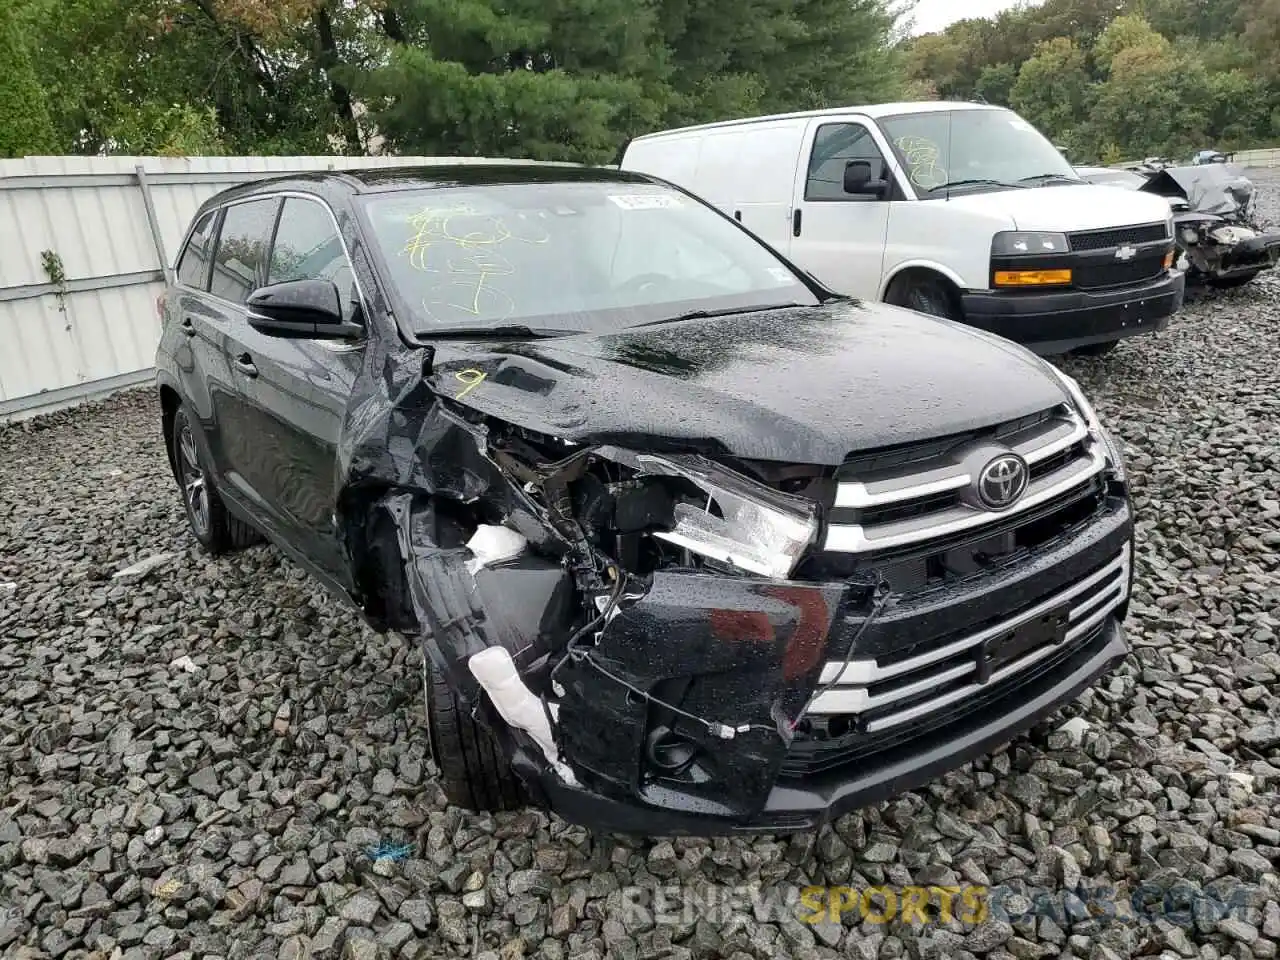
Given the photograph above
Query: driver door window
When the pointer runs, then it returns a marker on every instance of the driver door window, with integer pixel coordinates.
(307, 247)
(834, 145)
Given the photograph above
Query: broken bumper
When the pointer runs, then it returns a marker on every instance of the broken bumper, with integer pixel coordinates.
(1055, 323)
(751, 644)
(808, 805)
(1247, 257)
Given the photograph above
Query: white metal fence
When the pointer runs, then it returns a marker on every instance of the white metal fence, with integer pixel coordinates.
(85, 246)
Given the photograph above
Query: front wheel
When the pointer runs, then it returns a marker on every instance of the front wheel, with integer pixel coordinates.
(473, 770)
(207, 516)
(924, 294)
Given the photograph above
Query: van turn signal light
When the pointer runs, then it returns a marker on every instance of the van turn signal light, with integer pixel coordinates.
(1033, 278)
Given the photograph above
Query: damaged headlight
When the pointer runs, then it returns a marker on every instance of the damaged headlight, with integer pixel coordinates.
(1096, 430)
(741, 522)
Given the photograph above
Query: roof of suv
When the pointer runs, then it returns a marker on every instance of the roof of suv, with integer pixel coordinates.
(410, 177)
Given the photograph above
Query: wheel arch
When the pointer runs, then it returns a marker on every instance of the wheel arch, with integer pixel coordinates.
(912, 268)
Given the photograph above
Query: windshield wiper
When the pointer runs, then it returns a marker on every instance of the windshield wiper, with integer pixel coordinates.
(503, 332)
(705, 314)
(1044, 178)
(975, 182)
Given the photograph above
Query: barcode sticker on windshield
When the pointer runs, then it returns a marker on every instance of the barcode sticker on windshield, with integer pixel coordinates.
(645, 201)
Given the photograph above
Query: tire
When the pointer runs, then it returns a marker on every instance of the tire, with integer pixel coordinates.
(1230, 283)
(1097, 349)
(473, 771)
(208, 519)
(924, 294)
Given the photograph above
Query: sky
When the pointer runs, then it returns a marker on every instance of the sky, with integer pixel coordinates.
(934, 15)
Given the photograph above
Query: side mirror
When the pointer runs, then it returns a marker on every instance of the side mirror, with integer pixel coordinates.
(858, 181)
(301, 309)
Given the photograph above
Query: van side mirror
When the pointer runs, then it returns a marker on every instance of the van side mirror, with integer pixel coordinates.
(301, 309)
(858, 180)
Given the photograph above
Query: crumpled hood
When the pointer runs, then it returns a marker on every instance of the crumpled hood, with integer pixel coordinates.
(803, 385)
(1067, 208)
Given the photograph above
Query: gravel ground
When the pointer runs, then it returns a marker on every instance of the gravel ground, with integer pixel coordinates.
(271, 794)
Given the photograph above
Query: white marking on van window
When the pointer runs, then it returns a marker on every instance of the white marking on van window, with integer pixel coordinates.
(645, 201)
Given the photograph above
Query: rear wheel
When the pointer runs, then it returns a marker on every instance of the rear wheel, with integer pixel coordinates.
(1097, 349)
(473, 771)
(925, 293)
(1230, 283)
(207, 516)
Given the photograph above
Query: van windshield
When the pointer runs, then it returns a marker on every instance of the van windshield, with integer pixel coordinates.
(974, 151)
(569, 257)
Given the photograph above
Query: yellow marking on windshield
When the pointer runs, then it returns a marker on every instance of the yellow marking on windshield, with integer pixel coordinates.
(461, 243)
(923, 161)
(471, 378)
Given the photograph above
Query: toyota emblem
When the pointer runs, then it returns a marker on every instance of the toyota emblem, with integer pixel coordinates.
(1003, 481)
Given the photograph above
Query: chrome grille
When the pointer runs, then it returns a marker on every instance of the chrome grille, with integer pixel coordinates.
(881, 693)
(922, 501)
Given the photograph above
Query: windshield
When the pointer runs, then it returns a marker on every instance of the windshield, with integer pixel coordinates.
(976, 149)
(568, 257)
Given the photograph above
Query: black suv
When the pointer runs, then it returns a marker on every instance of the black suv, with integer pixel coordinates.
(693, 545)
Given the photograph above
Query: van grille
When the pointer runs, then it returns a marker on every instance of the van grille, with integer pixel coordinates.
(1119, 273)
(1105, 239)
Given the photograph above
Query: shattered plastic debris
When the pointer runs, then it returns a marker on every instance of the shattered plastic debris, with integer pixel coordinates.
(390, 851)
(135, 572)
(1075, 729)
(185, 663)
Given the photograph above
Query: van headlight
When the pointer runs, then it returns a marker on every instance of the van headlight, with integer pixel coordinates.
(740, 522)
(1099, 433)
(1022, 243)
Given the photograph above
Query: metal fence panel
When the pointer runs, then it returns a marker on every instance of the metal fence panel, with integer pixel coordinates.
(97, 327)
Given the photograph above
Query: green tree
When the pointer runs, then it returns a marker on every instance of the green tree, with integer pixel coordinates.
(1053, 88)
(1128, 33)
(25, 126)
(996, 83)
(1155, 102)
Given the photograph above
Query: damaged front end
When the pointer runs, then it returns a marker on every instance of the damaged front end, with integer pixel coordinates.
(1213, 223)
(612, 604)
(656, 633)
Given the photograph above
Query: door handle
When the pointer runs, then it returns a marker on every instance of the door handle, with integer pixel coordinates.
(244, 363)
(795, 223)
(188, 326)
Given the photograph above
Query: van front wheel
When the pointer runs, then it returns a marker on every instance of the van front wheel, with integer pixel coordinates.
(925, 294)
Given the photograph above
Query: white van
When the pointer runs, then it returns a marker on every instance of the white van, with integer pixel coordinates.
(960, 210)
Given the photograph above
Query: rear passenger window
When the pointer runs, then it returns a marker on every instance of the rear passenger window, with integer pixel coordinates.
(833, 147)
(240, 266)
(193, 265)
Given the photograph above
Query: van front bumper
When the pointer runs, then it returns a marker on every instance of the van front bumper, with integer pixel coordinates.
(1055, 323)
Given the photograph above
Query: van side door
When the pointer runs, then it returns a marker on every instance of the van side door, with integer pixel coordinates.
(839, 235)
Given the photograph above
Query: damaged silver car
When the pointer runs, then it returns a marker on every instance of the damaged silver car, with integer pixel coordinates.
(691, 544)
(1219, 240)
